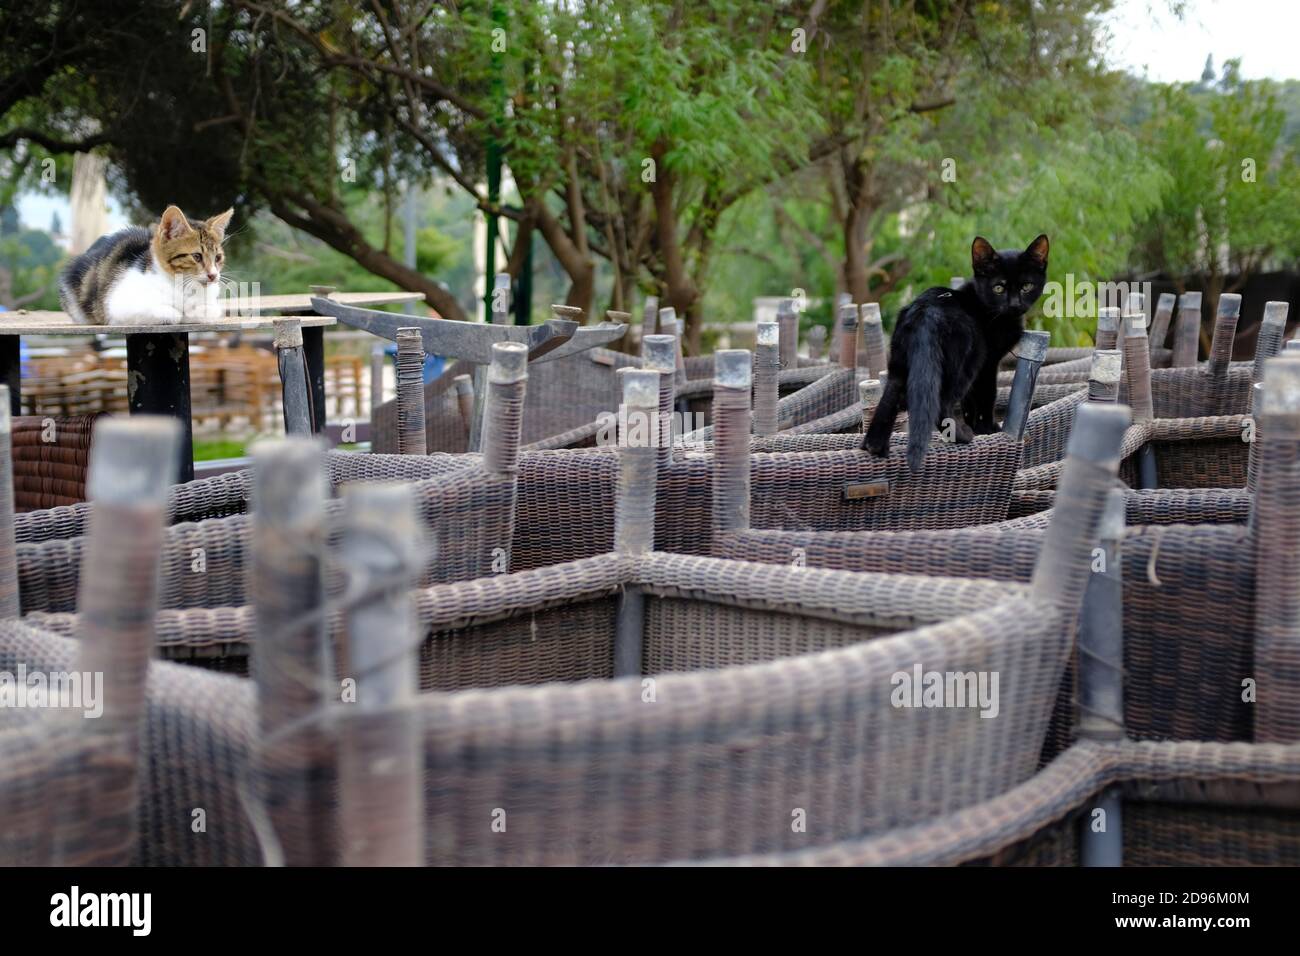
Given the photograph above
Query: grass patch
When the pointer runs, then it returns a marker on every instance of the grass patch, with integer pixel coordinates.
(207, 449)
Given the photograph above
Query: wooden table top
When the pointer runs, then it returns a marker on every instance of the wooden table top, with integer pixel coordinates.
(263, 311)
(23, 322)
(290, 304)
(266, 309)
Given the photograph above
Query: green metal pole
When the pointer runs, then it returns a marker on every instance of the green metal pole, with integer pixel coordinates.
(494, 197)
(524, 288)
(493, 171)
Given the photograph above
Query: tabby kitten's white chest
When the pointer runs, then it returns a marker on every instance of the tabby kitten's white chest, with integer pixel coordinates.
(164, 275)
(156, 297)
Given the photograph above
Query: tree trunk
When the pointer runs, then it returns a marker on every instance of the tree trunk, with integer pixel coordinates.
(856, 279)
(332, 228)
(680, 291)
(576, 263)
(857, 214)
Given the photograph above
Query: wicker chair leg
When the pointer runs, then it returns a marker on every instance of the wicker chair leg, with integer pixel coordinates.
(381, 765)
(465, 401)
(873, 338)
(290, 662)
(1225, 332)
(1107, 327)
(659, 354)
(504, 407)
(1160, 322)
(669, 324)
(848, 336)
(132, 464)
(1092, 461)
(503, 420)
(9, 602)
(411, 438)
(1030, 353)
(767, 365)
(817, 342)
(1137, 373)
(787, 319)
(1187, 331)
(1101, 685)
(649, 317)
(731, 427)
(1103, 377)
(1276, 530)
(634, 514)
(1269, 342)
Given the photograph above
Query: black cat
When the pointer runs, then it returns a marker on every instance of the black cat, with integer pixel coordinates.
(947, 345)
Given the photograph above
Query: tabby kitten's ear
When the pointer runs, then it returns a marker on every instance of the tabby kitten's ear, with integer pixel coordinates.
(218, 223)
(174, 224)
(982, 256)
(1038, 251)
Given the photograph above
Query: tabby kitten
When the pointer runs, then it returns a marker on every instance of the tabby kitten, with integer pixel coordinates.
(165, 274)
(947, 345)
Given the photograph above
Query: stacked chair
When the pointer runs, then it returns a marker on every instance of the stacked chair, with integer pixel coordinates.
(723, 650)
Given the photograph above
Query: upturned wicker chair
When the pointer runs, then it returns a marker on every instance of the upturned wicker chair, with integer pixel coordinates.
(1182, 804)
(769, 752)
(1219, 387)
(1197, 596)
(70, 724)
(49, 460)
(1184, 676)
(1196, 444)
(567, 397)
(467, 502)
(564, 505)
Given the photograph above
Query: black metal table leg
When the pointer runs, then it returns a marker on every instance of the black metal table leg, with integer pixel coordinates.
(313, 347)
(11, 370)
(158, 383)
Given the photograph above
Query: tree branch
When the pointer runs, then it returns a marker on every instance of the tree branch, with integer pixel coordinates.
(52, 143)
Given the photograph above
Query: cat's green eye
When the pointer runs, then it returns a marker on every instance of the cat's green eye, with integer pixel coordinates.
(1027, 287)
(198, 256)
(998, 289)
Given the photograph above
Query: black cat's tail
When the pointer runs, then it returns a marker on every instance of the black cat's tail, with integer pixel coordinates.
(924, 383)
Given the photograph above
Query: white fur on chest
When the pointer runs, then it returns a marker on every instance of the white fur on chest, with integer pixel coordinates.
(154, 297)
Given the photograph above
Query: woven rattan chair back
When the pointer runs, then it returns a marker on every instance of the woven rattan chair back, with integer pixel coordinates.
(70, 727)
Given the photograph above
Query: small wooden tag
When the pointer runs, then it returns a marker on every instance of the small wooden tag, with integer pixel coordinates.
(601, 358)
(869, 489)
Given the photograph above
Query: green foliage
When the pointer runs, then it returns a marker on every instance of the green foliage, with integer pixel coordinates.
(1062, 183)
(1123, 175)
(1233, 199)
(283, 259)
(29, 263)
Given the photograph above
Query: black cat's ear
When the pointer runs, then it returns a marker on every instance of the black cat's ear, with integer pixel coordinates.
(982, 255)
(1038, 251)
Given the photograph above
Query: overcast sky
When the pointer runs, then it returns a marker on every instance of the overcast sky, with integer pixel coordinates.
(1263, 33)
(1144, 37)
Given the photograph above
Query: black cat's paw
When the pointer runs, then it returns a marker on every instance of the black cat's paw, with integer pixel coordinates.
(963, 434)
(878, 447)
